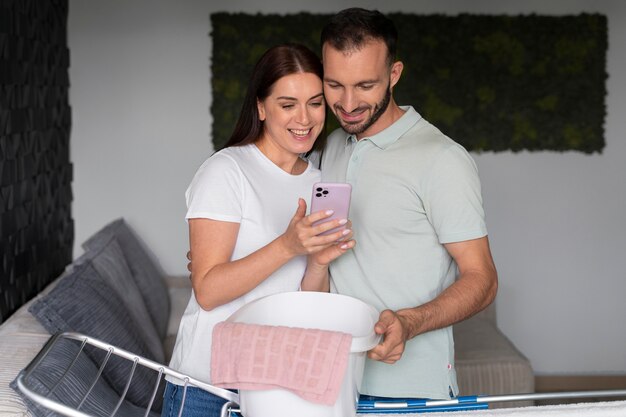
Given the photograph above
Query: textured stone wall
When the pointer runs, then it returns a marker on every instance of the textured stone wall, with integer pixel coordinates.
(36, 226)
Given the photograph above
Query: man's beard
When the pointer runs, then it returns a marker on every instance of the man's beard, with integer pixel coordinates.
(379, 109)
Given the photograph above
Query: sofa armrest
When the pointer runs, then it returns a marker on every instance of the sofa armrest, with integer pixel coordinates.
(21, 338)
(179, 289)
(489, 314)
(178, 281)
(488, 363)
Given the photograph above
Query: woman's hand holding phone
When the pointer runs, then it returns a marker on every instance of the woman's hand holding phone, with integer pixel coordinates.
(332, 198)
(302, 237)
(326, 226)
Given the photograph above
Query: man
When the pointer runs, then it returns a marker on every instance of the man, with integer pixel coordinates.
(422, 255)
(416, 213)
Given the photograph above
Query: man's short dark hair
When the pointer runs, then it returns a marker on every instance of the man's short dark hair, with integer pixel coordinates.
(352, 28)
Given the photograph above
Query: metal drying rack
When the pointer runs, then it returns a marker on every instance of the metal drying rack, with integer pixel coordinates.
(33, 391)
(27, 383)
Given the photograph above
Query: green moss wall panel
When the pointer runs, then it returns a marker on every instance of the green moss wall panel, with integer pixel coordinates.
(491, 82)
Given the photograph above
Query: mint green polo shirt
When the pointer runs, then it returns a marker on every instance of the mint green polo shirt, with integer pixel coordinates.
(413, 189)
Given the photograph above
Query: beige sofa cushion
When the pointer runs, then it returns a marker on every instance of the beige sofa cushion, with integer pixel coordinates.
(488, 363)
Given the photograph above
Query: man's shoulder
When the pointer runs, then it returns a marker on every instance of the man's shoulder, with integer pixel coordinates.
(427, 133)
(335, 141)
(338, 133)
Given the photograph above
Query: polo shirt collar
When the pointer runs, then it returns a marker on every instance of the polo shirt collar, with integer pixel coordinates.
(391, 134)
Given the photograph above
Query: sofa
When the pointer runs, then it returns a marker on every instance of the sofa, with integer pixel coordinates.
(116, 292)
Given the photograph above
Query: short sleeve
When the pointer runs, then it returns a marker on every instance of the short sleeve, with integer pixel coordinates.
(216, 191)
(453, 200)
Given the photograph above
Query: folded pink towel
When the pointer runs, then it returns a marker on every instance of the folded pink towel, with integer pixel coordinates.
(309, 362)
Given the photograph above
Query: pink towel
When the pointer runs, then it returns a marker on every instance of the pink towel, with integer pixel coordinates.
(309, 362)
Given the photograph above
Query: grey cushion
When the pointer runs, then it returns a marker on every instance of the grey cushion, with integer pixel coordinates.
(147, 274)
(102, 399)
(84, 303)
(111, 265)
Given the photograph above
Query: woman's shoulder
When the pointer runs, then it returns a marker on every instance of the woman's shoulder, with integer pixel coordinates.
(235, 154)
(225, 162)
(231, 156)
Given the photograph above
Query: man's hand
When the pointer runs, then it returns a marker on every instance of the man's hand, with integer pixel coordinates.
(395, 330)
(473, 290)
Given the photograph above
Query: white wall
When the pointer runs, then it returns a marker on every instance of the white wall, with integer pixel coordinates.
(140, 74)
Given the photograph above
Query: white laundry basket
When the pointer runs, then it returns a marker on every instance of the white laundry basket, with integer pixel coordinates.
(311, 310)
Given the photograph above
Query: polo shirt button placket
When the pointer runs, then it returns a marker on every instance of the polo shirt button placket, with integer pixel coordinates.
(353, 165)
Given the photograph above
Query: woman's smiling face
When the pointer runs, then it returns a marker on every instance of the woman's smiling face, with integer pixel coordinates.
(293, 114)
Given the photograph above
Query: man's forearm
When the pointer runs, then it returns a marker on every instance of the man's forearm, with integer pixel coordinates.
(470, 293)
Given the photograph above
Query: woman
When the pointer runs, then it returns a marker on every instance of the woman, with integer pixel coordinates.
(246, 241)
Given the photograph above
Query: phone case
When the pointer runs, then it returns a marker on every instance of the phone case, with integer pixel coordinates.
(331, 196)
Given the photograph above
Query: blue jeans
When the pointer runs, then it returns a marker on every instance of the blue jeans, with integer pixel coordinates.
(198, 402)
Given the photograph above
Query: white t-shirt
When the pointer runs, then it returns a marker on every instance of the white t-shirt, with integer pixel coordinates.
(240, 184)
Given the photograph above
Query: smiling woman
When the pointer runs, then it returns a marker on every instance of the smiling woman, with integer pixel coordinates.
(293, 117)
(245, 239)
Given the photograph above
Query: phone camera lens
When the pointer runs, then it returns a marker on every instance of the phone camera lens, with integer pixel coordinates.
(325, 192)
(318, 195)
(318, 189)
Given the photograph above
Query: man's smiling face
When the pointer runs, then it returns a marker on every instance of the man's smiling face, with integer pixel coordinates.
(357, 86)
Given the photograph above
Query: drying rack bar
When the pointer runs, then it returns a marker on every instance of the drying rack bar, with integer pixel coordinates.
(466, 402)
(43, 398)
(231, 407)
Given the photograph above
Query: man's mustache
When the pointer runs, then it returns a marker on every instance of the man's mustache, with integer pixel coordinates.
(355, 111)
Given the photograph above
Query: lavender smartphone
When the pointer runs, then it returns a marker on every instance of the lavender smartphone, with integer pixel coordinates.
(331, 196)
